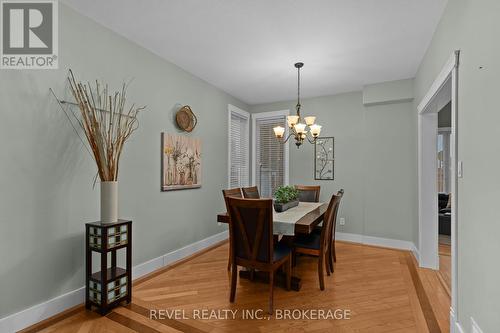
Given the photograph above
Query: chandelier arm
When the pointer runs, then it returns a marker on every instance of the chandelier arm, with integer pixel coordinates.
(286, 140)
(313, 139)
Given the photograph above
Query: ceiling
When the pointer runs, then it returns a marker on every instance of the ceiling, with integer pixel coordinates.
(248, 47)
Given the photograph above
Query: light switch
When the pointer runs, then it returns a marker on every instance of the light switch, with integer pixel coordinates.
(460, 171)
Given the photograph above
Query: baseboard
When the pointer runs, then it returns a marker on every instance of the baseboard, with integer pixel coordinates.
(39, 312)
(168, 258)
(455, 326)
(378, 241)
(475, 326)
(42, 311)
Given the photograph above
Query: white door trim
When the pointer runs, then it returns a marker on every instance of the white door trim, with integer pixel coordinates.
(436, 86)
(427, 174)
(234, 109)
(269, 114)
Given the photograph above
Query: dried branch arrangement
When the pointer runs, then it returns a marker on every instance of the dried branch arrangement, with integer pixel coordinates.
(106, 123)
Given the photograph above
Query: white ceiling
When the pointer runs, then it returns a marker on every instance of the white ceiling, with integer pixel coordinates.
(248, 47)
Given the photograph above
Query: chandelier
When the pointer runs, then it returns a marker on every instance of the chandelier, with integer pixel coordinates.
(297, 127)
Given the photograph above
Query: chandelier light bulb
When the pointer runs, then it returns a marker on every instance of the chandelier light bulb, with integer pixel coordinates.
(309, 120)
(292, 120)
(300, 128)
(279, 131)
(315, 130)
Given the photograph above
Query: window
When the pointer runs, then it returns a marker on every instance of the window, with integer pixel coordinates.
(270, 157)
(443, 160)
(238, 168)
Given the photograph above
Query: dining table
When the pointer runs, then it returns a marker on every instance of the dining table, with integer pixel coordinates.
(302, 219)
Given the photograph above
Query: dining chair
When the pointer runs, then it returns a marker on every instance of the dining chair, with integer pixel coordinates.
(234, 193)
(251, 192)
(308, 193)
(252, 244)
(332, 255)
(318, 244)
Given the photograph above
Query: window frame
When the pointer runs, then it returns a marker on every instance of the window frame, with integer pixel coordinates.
(244, 114)
(264, 115)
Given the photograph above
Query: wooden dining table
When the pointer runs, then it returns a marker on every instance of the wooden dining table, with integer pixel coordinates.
(303, 225)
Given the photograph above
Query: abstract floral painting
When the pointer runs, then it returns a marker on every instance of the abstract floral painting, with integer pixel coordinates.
(324, 158)
(181, 162)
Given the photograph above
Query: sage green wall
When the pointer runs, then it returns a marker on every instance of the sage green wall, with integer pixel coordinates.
(46, 190)
(473, 26)
(375, 162)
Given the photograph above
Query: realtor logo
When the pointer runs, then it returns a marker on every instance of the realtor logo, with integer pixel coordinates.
(29, 38)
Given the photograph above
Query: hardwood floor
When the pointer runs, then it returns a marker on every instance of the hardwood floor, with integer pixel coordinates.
(382, 288)
(445, 266)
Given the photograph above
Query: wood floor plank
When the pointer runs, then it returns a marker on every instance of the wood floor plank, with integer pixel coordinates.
(131, 323)
(429, 315)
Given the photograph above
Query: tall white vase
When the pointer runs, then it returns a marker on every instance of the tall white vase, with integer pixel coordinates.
(109, 202)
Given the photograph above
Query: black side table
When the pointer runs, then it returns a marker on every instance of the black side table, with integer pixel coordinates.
(110, 286)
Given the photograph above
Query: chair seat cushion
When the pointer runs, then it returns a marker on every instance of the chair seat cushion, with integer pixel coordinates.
(311, 241)
(281, 250)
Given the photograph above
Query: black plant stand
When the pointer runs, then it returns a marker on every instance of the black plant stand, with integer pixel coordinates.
(110, 286)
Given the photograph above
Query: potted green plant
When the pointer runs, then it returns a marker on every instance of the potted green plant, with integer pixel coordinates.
(285, 197)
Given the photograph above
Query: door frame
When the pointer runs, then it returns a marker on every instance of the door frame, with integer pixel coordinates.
(269, 114)
(427, 136)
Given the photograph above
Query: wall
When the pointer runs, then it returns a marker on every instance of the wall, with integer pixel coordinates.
(46, 192)
(472, 26)
(375, 161)
(444, 116)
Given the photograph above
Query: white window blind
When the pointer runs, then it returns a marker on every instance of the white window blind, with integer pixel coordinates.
(270, 161)
(238, 148)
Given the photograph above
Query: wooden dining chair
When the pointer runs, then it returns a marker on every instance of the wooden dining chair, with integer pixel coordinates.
(308, 193)
(332, 255)
(234, 193)
(251, 192)
(252, 244)
(317, 244)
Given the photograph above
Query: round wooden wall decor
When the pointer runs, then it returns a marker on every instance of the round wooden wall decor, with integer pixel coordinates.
(185, 118)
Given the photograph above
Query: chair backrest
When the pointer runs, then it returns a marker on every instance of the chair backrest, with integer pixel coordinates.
(339, 195)
(252, 229)
(308, 193)
(233, 192)
(251, 192)
(329, 221)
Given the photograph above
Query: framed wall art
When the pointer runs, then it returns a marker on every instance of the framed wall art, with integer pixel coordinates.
(180, 162)
(324, 157)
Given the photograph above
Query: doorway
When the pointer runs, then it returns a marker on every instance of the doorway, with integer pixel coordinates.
(445, 201)
(443, 91)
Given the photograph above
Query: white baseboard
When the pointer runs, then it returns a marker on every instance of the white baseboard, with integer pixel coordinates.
(42, 311)
(458, 328)
(378, 241)
(455, 326)
(168, 258)
(39, 312)
(475, 326)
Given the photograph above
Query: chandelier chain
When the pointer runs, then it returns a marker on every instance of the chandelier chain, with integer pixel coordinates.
(298, 91)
